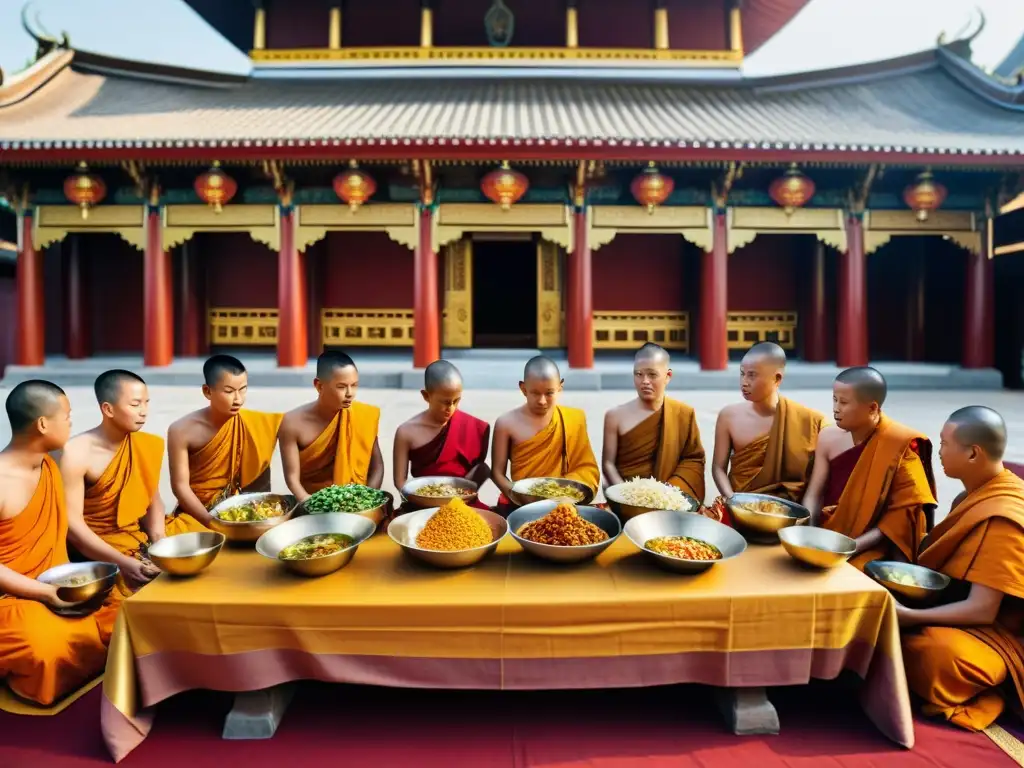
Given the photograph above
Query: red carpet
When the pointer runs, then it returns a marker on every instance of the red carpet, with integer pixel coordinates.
(354, 727)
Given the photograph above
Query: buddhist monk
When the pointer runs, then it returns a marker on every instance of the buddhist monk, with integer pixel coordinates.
(766, 443)
(872, 479)
(542, 438)
(442, 440)
(43, 656)
(111, 481)
(966, 660)
(653, 435)
(333, 440)
(220, 450)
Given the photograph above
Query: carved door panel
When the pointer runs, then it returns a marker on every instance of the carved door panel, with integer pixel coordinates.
(457, 327)
(550, 322)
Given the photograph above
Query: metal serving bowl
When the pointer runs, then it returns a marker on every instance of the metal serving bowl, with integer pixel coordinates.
(411, 488)
(187, 553)
(273, 541)
(817, 547)
(602, 518)
(377, 515)
(629, 511)
(520, 497)
(101, 578)
(652, 525)
(928, 584)
(765, 526)
(250, 531)
(405, 528)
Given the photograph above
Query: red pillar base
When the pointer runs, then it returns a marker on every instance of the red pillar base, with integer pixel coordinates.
(714, 297)
(30, 339)
(979, 308)
(191, 304)
(580, 304)
(292, 346)
(426, 320)
(852, 320)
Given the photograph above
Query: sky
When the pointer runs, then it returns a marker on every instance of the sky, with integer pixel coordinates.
(825, 34)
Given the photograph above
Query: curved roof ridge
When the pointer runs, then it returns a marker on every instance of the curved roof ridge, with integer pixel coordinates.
(23, 84)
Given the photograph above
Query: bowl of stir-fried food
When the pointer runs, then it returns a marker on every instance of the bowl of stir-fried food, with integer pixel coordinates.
(530, 490)
(642, 494)
(84, 585)
(316, 545)
(761, 517)
(563, 532)
(913, 582)
(429, 492)
(248, 516)
(683, 542)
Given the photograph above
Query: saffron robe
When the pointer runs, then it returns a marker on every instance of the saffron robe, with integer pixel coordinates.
(460, 446)
(43, 656)
(890, 488)
(341, 453)
(235, 457)
(666, 445)
(561, 449)
(963, 673)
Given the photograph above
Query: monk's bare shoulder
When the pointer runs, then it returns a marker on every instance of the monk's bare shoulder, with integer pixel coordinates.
(296, 415)
(412, 426)
(189, 428)
(831, 440)
(78, 449)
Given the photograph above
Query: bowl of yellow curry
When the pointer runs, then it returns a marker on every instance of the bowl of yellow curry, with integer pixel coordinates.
(429, 492)
(533, 489)
(761, 517)
(248, 516)
(914, 582)
(316, 545)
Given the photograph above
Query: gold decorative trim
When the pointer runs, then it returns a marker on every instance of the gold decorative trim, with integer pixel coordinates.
(453, 220)
(237, 327)
(550, 313)
(261, 222)
(745, 224)
(631, 330)
(959, 226)
(609, 221)
(745, 329)
(457, 317)
(398, 220)
(367, 327)
(52, 223)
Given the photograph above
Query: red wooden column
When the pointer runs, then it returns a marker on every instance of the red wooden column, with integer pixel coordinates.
(426, 321)
(580, 299)
(158, 295)
(77, 328)
(191, 304)
(30, 344)
(916, 305)
(852, 320)
(979, 303)
(292, 347)
(815, 337)
(714, 292)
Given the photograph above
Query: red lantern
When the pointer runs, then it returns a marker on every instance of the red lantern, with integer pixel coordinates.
(84, 189)
(216, 188)
(651, 188)
(504, 186)
(354, 187)
(924, 196)
(792, 190)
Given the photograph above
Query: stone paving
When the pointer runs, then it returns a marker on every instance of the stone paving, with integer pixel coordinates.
(924, 410)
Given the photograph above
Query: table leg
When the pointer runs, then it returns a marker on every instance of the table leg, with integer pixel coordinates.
(256, 714)
(747, 711)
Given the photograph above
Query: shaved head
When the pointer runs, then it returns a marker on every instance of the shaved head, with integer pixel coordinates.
(542, 368)
(769, 352)
(652, 353)
(30, 401)
(220, 365)
(108, 385)
(441, 374)
(329, 362)
(980, 426)
(868, 384)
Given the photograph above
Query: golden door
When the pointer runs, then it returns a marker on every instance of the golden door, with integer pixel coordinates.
(457, 326)
(550, 317)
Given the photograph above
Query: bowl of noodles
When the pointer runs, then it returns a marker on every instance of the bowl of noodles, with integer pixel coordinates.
(454, 535)
(684, 542)
(761, 517)
(562, 532)
(428, 492)
(530, 490)
(316, 545)
(913, 582)
(248, 516)
(643, 494)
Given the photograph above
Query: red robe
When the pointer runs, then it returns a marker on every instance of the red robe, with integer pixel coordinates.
(460, 446)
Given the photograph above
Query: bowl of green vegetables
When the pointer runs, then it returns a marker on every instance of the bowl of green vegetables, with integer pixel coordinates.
(372, 503)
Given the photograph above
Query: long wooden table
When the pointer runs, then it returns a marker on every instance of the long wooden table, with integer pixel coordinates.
(509, 623)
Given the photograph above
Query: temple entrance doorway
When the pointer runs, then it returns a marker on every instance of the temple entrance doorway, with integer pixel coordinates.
(504, 292)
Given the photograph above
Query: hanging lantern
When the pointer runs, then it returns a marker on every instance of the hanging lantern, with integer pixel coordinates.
(792, 190)
(651, 188)
(84, 189)
(216, 188)
(924, 196)
(504, 186)
(354, 187)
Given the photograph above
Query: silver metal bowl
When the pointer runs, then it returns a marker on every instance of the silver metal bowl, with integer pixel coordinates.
(602, 518)
(817, 547)
(99, 579)
(187, 553)
(273, 541)
(927, 586)
(377, 515)
(250, 531)
(519, 493)
(653, 525)
(405, 528)
(410, 491)
(761, 525)
(629, 511)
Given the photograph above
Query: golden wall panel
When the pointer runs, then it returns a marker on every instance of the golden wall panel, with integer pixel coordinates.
(232, 217)
(745, 329)
(470, 216)
(105, 218)
(367, 327)
(550, 313)
(774, 218)
(237, 327)
(905, 222)
(631, 330)
(634, 217)
(370, 216)
(457, 318)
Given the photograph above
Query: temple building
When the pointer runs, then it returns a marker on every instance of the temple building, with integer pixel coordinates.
(578, 175)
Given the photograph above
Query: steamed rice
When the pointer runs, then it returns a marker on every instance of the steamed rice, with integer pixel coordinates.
(651, 494)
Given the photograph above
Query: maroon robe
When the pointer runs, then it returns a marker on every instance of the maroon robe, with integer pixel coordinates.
(839, 470)
(460, 446)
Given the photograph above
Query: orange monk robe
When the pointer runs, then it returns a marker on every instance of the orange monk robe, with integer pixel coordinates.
(891, 488)
(963, 673)
(561, 449)
(341, 454)
(44, 657)
(235, 457)
(666, 445)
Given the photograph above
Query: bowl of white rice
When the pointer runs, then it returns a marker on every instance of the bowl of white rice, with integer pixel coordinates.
(642, 494)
